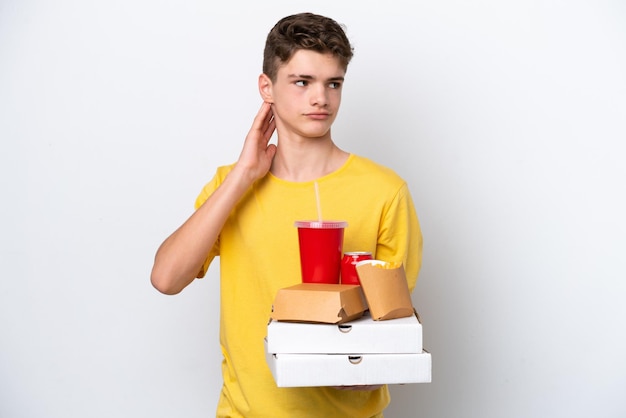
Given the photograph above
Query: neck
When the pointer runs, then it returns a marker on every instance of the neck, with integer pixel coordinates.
(307, 161)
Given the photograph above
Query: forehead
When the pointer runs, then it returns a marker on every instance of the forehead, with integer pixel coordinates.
(314, 64)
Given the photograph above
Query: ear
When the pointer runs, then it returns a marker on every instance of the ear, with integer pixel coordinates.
(265, 88)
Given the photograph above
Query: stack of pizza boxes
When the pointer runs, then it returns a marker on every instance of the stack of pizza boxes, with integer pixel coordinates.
(344, 335)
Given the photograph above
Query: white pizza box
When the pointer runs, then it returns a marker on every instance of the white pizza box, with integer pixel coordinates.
(300, 370)
(360, 336)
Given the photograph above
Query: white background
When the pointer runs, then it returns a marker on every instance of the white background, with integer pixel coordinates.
(506, 118)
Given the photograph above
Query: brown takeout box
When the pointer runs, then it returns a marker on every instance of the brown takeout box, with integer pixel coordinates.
(313, 302)
(386, 290)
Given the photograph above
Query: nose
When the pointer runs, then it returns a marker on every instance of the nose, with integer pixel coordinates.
(319, 95)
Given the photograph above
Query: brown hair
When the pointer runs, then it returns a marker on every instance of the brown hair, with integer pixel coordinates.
(304, 31)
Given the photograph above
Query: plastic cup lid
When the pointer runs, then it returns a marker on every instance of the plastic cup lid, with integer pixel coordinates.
(321, 224)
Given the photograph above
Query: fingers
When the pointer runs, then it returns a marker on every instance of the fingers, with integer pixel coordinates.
(263, 117)
(270, 128)
(264, 124)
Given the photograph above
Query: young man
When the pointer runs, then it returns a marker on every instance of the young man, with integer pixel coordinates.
(246, 213)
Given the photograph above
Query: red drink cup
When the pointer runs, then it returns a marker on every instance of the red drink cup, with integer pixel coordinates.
(321, 245)
(348, 266)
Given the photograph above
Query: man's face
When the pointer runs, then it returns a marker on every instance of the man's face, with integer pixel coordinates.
(307, 94)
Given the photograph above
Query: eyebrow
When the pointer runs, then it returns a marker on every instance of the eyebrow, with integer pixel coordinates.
(310, 77)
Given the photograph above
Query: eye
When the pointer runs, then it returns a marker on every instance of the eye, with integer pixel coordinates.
(334, 84)
(301, 83)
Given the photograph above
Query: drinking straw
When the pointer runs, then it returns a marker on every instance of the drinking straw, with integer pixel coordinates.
(317, 199)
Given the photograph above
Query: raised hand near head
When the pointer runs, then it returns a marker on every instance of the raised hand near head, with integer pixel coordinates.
(256, 156)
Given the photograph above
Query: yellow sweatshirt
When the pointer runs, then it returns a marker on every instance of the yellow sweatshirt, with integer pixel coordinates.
(258, 250)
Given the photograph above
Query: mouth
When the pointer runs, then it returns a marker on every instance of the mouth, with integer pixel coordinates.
(318, 115)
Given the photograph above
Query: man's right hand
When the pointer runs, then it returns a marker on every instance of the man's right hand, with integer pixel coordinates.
(182, 254)
(256, 156)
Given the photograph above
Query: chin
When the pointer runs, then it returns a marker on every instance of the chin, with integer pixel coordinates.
(317, 135)
(316, 132)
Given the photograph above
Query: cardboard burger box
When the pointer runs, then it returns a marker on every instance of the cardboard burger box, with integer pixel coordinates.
(315, 302)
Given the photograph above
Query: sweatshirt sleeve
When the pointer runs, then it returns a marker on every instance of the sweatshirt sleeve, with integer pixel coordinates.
(205, 193)
(400, 236)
